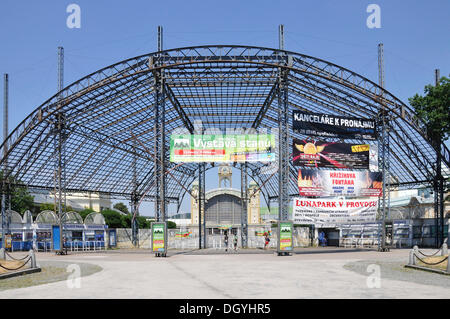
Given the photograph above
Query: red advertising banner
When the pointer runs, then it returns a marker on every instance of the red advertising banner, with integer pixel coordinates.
(313, 182)
(316, 154)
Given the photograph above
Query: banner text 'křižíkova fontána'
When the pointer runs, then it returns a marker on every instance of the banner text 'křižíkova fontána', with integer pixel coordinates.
(314, 182)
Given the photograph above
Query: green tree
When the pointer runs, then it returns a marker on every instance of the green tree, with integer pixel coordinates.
(122, 207)
(434, 110)
(51, 206)
(83, 213)
(143, 222)
(171, 225)
(126, 221)
(21, 200)
(112, 218)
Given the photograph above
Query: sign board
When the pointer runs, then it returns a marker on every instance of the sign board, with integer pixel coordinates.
(285, 232)
(55, 237)
(225, 227)
(330, 212)
(326, 125)
(8, 241)
(183, 234)
(315, 154)
(313, 182)
(159, 237)
(222, 148)
(112, 238)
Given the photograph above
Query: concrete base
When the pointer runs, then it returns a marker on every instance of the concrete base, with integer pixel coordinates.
(20, 273)
(438, 271)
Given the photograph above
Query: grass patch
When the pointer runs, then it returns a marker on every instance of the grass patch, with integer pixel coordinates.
(50, 272)
(12, 264)
(433, 260)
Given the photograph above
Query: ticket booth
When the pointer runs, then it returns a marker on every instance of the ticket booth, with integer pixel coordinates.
(42, 230)
(73, 230)
(15, 229)
(95, 231)
(27, 236)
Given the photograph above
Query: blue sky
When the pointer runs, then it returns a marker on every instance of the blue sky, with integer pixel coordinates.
(416, 37)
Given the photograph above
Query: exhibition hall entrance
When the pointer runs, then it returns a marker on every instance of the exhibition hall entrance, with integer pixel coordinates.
(328, 237)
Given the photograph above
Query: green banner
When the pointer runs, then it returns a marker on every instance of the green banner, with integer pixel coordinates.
(158, 237)
(285, 240)
(222, 148)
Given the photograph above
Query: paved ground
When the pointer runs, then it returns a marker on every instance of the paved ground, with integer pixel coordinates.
(309, 273)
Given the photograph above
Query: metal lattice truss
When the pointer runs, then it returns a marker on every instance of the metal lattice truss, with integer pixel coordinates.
(220, 86)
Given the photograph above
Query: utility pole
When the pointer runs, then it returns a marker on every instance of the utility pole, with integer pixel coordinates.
(160, 38)
(281, 37)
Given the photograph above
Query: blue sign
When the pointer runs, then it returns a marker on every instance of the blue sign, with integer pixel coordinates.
(55, 238)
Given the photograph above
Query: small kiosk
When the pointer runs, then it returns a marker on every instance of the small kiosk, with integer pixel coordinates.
(95, 231)
(42, 230)
(15, 229)
(73, 230)
(27, 236)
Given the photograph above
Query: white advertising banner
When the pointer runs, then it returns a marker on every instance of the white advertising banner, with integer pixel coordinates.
(330, 212)
(313, 182)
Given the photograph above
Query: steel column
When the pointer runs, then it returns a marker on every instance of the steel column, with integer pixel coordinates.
(134, 203)
(156, 162)
(438, 184)
(5, 188)
(162, 146)
(283, 131)
(60, 131)
(383, 152)
(160, 161)
(244, 201)
(384, 160)
(201, 205)
(283, 147)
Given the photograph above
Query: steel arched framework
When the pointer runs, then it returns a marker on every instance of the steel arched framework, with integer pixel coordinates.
(108, 132)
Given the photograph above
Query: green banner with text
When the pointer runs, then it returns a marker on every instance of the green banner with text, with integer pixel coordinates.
(222, 148)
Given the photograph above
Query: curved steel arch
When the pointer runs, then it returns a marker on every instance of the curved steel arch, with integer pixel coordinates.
(222, 85)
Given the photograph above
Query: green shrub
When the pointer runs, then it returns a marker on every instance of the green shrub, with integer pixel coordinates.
(171, 225)
(51, 206)
(122, 207)
(112, 218)
(142, 221)
(83, 213)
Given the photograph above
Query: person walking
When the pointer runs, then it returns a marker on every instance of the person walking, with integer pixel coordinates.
(235, 241)
(266, 240)
(225, 239)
